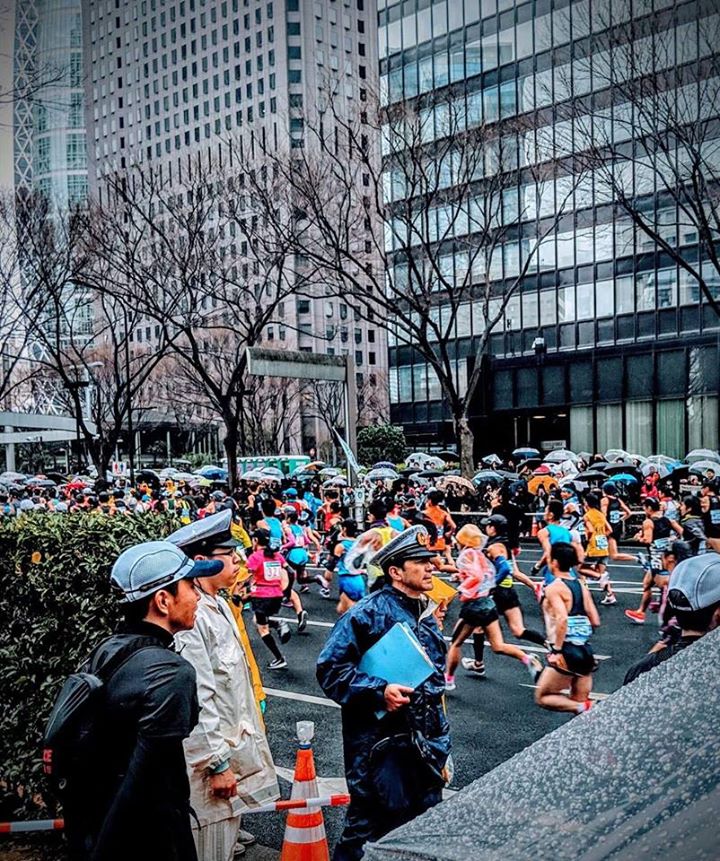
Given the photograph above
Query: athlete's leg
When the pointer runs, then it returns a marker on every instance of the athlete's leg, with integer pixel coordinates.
(615, 555)
(517, 627)
(548, 693)
(493, 632)
(461, 632)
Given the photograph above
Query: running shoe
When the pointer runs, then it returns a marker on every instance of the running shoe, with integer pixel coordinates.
(284, 632)
(654, 607)
(287, 604)
(324, 592)
(609, 600)
(471, 666)
(637, 617)
(450, 684)
(322, 581)
(302, 621)
(641, 559)
(603, 581)
(277, 664)
(303, 590)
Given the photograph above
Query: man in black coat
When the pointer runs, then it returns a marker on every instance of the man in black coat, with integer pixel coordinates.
(133, 802)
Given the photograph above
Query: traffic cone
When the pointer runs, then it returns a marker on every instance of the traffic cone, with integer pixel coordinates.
(305, 838)
(534, 530)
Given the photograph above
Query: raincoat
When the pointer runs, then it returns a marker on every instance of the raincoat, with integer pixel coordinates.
(230, 726)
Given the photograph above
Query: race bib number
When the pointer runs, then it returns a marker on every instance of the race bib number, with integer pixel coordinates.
(579, 629)
(661, 544)
(715, 516)
(272, 571)
(601, 542)
(614, 517)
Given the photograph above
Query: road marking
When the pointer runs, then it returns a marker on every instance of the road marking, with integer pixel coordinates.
(304, 698)
(593, 696)
(524, 646)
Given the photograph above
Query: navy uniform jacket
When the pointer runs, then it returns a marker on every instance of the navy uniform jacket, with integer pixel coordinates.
(361, 696)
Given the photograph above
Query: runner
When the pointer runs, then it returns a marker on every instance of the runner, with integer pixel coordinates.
(598, 530)
(478, 614)
(282, 536)
(298, 538)
(655, 533)
(570, 616)
(710, 504)
(270, 580)
(352, 585)
(616, 512)
(443, 522)
(552, 533)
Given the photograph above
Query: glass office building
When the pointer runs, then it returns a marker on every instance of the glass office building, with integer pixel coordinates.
(632, 351)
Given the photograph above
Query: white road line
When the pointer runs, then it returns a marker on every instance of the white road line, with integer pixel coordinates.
(525, 646)
(593, 696)
(304, 698)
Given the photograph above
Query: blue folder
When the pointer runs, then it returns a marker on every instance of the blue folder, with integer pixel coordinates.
(398, 658)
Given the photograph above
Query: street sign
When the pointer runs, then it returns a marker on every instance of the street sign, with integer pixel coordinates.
(119, 468)
(552, 444)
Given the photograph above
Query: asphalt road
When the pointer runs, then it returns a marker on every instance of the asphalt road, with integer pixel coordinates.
(491, 718)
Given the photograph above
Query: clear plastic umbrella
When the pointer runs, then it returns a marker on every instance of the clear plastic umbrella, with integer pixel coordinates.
(383, 464)
(614, 453)
(272, 472)
(701, 454)
(526, 452)
(492, 460)
(660, 468)
(701, 466)
(382, 474)
(559, 455)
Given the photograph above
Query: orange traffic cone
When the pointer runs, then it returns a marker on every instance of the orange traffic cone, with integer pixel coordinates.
(305, 838)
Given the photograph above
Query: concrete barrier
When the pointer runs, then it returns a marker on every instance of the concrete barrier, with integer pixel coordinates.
(638, 776)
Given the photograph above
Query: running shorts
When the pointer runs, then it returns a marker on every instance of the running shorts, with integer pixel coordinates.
(579, 659)
(505, 598)
(263, 608)
(352, 585)
(479, 613)
(596, 560)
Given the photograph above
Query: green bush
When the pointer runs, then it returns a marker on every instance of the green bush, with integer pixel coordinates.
(55, 605)
(381, 442)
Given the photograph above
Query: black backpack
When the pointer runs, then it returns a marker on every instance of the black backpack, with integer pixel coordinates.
(70, 741)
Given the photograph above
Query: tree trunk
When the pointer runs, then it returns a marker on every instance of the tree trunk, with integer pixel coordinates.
(230, 443)
(466, 445)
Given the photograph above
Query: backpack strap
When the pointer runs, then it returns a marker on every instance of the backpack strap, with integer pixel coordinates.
(107, 669)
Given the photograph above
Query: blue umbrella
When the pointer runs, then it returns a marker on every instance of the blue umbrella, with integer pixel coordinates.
(624, 477)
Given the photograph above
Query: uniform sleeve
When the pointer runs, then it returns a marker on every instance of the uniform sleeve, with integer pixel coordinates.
(337, 666)
(206, 747)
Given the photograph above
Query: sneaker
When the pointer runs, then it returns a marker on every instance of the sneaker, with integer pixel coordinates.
(450, 684)
(277, 664)
(471, 666)
(302, 621)
(303, 590)
(324, 592)
(246, 838)
(654, 607)
(239, 850)
(637, 617)
(609, 600)
(641, 559)
(287, 604)
(322, 581)
(284, 632)
(603, 581)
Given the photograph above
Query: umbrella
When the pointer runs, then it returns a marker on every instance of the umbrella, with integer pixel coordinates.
(416, 478)
(214, 473)
(612, 454)
(543, 469)
(254, 475)
(701, 466)
(456, 481)
(572, 480)
(701, 454)
(183, 476)
(329, 472)
(639, 458)
(41, 482)
(612, 468)
(449, 456)
(492, 460)
(538, 481)
(382, 474)
(663, 459)
(594, 475)
(300, 476)
(431, 473)
(624, 478)
(660, 468)
(526, 453)
(559, 455)
(201, 481)
(13, 477)
(486, 475)
(434, 463)
(507, 475)
(584, 455)
(272, 473)
(384, 464)
(336, 481)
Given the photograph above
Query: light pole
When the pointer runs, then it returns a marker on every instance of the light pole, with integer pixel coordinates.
(75, 386)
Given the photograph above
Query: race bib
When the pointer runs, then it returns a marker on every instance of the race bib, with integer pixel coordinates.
(661, 544)
(715, 516)
(272, 571)
(614, 517)
(601, 542)
(579, 630)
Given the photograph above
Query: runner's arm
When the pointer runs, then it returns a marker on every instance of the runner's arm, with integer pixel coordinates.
(555, 606)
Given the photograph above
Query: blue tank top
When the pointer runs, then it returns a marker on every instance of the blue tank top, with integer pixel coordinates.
(275, 528)
(347, 543)
(556, 533)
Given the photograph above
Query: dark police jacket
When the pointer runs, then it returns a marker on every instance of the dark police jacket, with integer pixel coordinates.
(361, 696)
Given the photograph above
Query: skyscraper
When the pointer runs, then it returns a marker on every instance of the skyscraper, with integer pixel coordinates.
(608, 342)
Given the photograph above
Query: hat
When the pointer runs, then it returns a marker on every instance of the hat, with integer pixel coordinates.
(470, 536)
(290, 492)
(206, 534)
(497, 520)
(152, 565)
(698, 579)
(413, 543)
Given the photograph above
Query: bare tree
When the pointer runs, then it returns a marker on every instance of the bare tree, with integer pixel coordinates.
(199, 261)
(324, 400)
(271, 415)
(414, 240)
(648, 135)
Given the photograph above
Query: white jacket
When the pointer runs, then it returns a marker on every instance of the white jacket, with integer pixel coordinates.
(229, 727)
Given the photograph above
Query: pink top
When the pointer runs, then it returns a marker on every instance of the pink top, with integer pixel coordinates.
(267, 575)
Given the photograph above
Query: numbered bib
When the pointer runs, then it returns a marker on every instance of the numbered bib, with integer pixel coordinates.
(579, 630)
(615, 516)
(601, 542)
(272, 571)
(661, 544)
(715, 516)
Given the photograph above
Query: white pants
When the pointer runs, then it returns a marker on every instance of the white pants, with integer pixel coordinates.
(216, 842)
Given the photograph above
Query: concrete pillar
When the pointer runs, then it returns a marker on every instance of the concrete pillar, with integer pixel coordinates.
(9, 452)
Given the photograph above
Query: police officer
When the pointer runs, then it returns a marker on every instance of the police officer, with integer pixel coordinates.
(396, 740)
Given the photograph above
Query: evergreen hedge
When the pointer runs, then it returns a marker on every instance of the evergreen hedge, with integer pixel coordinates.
(55, 605)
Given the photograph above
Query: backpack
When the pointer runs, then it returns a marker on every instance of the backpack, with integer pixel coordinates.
(71, 739)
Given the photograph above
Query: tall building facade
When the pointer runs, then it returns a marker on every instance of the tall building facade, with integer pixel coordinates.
(170, 81)
(49, 124)
(607, 341)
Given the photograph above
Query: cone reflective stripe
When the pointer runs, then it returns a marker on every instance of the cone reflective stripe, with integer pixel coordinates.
(338, 800)
(305, 838)
(34, 825)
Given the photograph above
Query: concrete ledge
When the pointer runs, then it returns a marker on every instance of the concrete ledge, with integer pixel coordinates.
(638, 776)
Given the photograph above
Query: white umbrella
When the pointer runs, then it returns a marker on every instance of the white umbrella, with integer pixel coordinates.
(639, 458)
(382, 474)
(663, 459)
(617, 454)
(661, 469)
(701, 466)
(336, 481)
(492, 460)
(569, 467)
(417, 459)
(559, 455)
(701, 454)
(253, 475)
